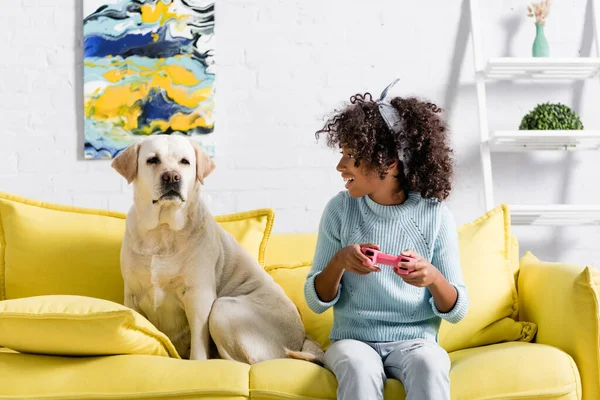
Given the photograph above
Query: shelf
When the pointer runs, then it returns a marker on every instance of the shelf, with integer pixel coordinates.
(558, 215)
(511, 141)
(542, 68)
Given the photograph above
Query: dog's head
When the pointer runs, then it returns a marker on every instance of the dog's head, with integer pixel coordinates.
(164, 168)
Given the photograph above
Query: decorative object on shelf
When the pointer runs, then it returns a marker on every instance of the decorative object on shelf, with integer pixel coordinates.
(548, 116)
(148, 68)
(533, 136)
(539, 11)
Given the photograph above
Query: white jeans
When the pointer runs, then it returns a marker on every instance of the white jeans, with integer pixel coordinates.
(361, 368)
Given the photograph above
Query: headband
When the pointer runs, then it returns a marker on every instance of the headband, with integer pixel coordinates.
(395, 123)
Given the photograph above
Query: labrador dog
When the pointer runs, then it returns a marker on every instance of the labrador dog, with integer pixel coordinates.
(190, 277)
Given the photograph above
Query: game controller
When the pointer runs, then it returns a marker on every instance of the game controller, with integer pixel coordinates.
(378, 257)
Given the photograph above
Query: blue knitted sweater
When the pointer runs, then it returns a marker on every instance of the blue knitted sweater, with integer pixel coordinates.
(380, 306)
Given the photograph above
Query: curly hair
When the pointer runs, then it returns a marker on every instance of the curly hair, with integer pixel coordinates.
(424, 138)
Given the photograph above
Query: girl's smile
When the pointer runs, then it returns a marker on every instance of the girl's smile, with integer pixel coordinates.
(363, 181)
(349, 181)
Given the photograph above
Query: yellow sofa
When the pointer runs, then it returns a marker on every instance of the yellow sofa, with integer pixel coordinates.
(532, 330)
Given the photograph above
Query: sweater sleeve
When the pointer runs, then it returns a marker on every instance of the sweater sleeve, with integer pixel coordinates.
(446, 259)
(328, 243)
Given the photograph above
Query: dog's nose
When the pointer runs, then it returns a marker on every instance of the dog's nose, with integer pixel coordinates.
(171, 177)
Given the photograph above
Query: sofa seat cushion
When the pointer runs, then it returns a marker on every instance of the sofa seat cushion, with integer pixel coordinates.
(514, 370)
(300, 380)
(120, 377)
(501, 371)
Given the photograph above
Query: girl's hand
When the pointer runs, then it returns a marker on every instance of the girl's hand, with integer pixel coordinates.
(423, 273)
(352, 259)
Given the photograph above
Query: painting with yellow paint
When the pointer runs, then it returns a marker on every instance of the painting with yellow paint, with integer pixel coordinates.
(148, 69)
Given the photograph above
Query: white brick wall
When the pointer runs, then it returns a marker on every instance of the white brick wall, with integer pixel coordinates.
(284, 66)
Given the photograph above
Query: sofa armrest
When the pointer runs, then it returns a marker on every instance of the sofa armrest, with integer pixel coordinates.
(563, 300)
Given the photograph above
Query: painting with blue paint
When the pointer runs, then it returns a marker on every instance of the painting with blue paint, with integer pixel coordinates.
(148, 69)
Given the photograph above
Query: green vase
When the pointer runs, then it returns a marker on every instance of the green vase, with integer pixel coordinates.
(540, 44)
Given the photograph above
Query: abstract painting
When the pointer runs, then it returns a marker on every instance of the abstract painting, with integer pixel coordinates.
(148, 69)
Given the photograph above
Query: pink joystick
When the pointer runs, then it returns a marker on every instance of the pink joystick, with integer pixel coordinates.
(378, 257)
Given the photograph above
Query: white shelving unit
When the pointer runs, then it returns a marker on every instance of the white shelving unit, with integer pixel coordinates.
(509, 68)
(558, 214)
(548, 140)
(533, 69)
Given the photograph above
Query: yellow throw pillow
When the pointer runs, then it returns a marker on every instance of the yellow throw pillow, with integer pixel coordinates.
(252, 229)
(564, 299)
(78, 326)
(50, 249)
(486, 262)
(514, 259)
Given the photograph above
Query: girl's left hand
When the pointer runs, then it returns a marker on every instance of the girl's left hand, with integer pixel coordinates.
(424, 273)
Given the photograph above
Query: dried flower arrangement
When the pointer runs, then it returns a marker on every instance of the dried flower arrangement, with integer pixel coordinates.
(539, 11)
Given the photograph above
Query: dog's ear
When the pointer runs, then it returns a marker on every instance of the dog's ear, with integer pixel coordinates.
(126, 163)
(204, 164)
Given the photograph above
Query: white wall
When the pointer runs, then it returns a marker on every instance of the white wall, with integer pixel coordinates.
(283, 65)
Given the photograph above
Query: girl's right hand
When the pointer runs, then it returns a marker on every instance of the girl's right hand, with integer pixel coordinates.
(352, 259)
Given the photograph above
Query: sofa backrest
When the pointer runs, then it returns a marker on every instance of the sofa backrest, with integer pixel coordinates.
(290, 248)
(50, 249)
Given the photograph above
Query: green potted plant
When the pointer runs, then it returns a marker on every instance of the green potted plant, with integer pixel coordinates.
(549, 116)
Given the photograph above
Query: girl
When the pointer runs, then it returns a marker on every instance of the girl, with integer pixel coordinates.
(397, 165)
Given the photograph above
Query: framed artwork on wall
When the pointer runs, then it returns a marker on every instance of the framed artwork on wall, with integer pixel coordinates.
(148, 68)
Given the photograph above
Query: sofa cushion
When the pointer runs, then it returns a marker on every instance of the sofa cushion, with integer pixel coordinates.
(78, 326)
(48, 249)
(287, 379)
(564, 299)
(500, 371)
(120, 377)
(252, 229)
(52, 249)
(514, 259)
(514, 370)
(487, 266)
